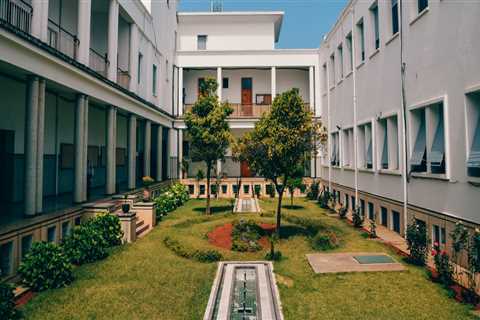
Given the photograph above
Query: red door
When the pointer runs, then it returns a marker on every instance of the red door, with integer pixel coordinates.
(244, 169)
(247, 97)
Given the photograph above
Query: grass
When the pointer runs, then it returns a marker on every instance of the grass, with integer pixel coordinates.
(145, 280)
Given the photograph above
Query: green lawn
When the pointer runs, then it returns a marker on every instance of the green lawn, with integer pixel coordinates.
(146, 280)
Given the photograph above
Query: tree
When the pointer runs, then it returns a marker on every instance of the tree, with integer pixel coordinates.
(281, 141)
(295, 182)
(208, 129)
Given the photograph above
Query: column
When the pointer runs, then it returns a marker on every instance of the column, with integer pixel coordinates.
(112, 39)
(219, 168)
(180, 152)
(40, 19)
(311, 90)
(132, 150)
(111, 149)
(31, 125)
(147, 149)
(220, 83)
(79, 149)
(83, 30)
(169, 143)
(40, 145)
(159, 147)
(274, 82)
(133, 64)
(180, 91)
(85, 151)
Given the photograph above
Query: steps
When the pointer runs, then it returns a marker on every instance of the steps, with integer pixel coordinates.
(141, 227)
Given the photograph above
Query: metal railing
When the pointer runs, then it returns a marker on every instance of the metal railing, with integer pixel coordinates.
(62, 40)
(123, 78)
(246, 110)
(98, 62)
(17, 13)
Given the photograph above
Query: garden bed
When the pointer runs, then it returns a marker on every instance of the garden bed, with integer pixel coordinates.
(222, 236)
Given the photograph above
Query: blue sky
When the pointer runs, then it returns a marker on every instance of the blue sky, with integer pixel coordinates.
(304, 24)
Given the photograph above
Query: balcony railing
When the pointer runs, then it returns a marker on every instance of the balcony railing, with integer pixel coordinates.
(98, 62)
(246, 110)
(123, 78)
(17, 13)
(62, 40)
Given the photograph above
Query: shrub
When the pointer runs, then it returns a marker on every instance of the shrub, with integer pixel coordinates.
(313, 191)
(180, 192)
(245, 236)
(7, 303)
(442, 265)
(325, 241)
(342, 212)
(324, 198)
(109, 227)
(199, 255)
(276, 256)
(373, 228)
(85, 244)
(417, 242)
(311, 225)
(172, 198)
(357, 218)
(45, 266)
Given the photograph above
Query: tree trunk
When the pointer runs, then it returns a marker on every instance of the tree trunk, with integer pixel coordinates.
(209, 167)
(291, 197)
(279, 212)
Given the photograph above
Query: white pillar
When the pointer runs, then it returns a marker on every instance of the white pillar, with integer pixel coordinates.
(159, 147)
(78, 145)
(133, 64)
(180, 152)
(83, 27)
(147, 148)
(169, 143)
(311, 90)
(111, 150)
(85, 151)
(31, 127)
(40, 19)
(220, 83)
(112, 39)
(40, 145)
(132, 151)
(180, 91)
(274, 82)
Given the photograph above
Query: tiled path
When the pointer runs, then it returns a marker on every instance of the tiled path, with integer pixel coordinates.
(246, 205)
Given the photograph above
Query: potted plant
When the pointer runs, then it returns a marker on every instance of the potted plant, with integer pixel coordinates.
(147, 182)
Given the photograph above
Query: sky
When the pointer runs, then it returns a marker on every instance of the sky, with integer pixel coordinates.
(304, 24)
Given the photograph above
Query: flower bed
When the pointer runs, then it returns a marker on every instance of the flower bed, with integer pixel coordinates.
(222, 236)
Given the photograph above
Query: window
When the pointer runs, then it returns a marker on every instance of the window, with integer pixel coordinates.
(51, 234)
(332, 70)
(354, 203)
(26, 244)
(371, 212)
(361, 37)
(384, 213)
(6, 259)
(202, 189)
(139, 67)
(347, 147)
(347, 205)
(438, 235)
(154, 80)
(422, 5)
(340, 61)
(428, 156)
(396, 221)
(362, 207)
(78, 221)
(167, 72)
(225, 83)
(394, 16)
(350, 51)
(388, 143)
(224, 188)
(325, 85)
(335, 155)
(473, 116)
(365, 150)
(384, 152)
(246, 189)
(65, 229)
(202, 42)
(191, 189)
(235, 188)
(375, 24)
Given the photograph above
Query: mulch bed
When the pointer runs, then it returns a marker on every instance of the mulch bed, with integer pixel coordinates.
(222, 236)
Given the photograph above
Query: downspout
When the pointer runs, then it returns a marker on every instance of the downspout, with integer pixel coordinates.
(355, 147)
(329, 124)
(405, 173)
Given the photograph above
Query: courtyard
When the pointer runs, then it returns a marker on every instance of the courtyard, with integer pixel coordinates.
(147, 280)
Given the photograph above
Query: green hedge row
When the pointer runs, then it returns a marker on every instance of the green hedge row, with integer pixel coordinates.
(195, 254)
(174, 197)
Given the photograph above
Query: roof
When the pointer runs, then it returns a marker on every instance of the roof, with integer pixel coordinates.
(235, 16)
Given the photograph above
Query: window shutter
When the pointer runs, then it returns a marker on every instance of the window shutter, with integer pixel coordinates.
(473, 163)
(417, 160)
(437, 156)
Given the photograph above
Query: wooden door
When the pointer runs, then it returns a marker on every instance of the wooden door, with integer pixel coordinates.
(247, 97)
(244, 169)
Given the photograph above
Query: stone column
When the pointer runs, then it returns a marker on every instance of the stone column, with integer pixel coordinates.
(159, 153)
(79, 149)
(180, 152)
(85, 150)
(169, 134)
(83, 27)
(311, 90)
(133, 64)
(111, 149)
(147, 148)
(274, 82)
(220, 83)
(112, 39)
(180, 91)
(31, 127)
(40, 145)
(132, 151)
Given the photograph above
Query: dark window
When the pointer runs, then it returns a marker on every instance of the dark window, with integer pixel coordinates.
(419, 155)
(224, 188)
(376, 28)
(191, 189)
(362, 206)
(384, 216)
(213, 189)
(394, 16)
(65, 229)
(139, 67)
(202, 42)
(246, 83)
(361, 34)
(396, 221)
(353, 203)
(235, 188)
(437, 154)
(51, 234)
(154, 80)
(6, 259)
(202, 189)
(473, 163)
(246, 188)
(26, 244)
(77, 221)
(385, 146)
(371, 212)
(422, 5)
(225, 83)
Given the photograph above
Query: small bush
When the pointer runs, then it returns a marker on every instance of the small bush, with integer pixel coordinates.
(442, 265)
(325, 241)
(417, 242)
(7, 303)
(45, 266)
(85, 244)
(357, 218)
(277, 255)
(199, 255)
(174, 197)
(324, 199)
(109, 227)
(313, 191)
(342, 212)
(245, 236)
(311, 225)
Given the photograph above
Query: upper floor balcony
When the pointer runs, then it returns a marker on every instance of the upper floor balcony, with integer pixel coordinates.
(17, 13)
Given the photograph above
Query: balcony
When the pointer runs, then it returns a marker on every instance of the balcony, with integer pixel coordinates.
(17, 13)
(246, 110)
(98, 62)
(62, 40)
(123, 78)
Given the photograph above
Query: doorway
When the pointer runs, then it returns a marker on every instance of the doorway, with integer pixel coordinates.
(244, 169)
(247, 96)
(7, 142)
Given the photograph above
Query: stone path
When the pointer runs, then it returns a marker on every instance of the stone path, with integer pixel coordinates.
(246, 205)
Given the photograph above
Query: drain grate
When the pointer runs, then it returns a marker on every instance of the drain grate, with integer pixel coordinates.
(374, 259)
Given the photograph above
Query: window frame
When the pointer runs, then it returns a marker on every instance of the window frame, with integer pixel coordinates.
(360, 26)
(375, 22)
(154, 79)
(202, 45)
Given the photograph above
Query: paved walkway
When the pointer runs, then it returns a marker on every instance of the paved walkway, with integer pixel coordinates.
(246, 205)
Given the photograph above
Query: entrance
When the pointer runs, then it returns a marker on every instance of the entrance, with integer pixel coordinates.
(244, 169)
(247, 96)
(7, 141)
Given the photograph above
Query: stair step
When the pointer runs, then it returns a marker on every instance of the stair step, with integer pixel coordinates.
(142, 229)
(140, 223)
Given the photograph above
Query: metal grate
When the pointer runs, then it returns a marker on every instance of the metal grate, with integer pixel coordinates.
(374, 259)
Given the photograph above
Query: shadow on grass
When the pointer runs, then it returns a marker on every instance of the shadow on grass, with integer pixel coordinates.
(293, 207)
(215, 209)
(292, 231)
